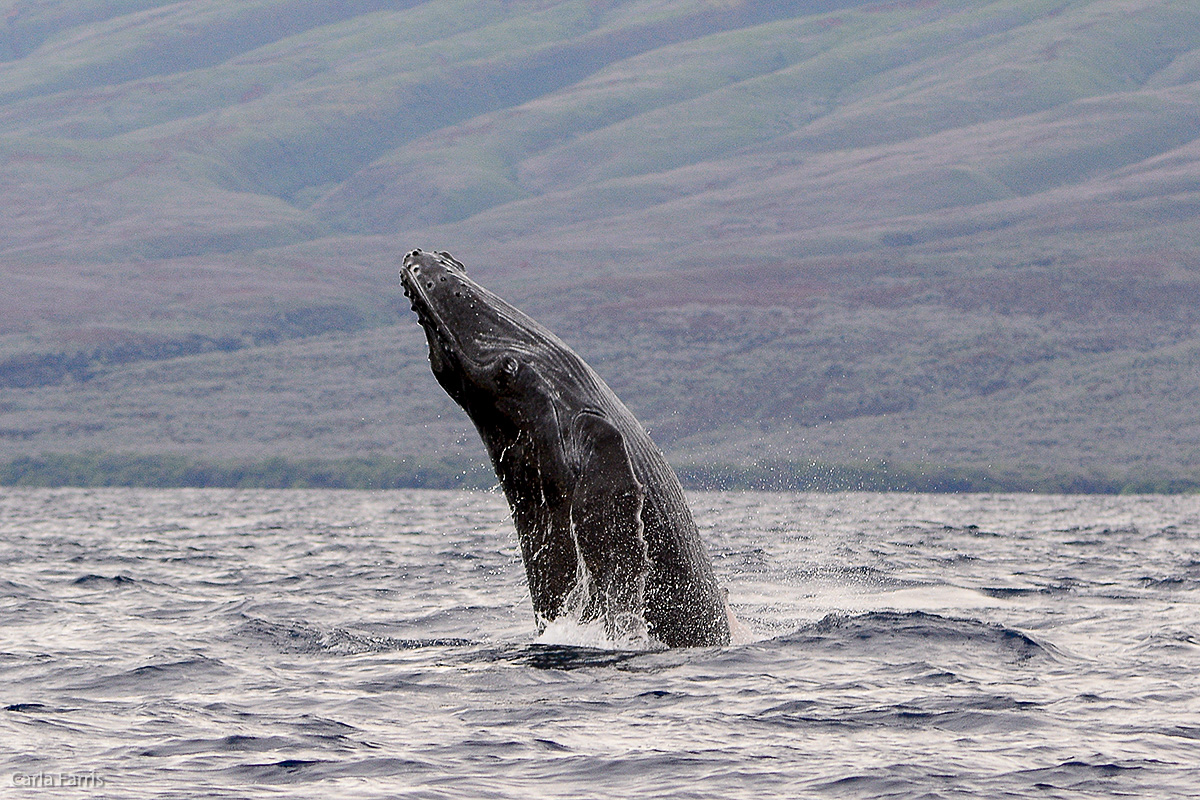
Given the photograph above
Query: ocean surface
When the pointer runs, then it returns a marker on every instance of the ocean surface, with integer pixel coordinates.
(225, 643)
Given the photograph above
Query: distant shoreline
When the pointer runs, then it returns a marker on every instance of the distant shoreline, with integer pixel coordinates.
(99, 469)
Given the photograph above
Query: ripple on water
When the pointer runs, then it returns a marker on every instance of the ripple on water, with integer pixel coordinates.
(247, 644)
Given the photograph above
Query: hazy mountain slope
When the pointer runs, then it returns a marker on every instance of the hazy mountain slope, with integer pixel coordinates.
(939, 230)
(716, 386)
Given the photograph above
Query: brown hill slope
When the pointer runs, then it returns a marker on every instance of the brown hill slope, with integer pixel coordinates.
(962, 233)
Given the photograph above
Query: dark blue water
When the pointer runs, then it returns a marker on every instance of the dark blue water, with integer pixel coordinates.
(342, 644)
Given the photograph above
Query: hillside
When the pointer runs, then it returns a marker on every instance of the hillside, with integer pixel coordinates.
(962, 235)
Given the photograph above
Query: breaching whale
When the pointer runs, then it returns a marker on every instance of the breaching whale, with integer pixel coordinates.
(604, 529)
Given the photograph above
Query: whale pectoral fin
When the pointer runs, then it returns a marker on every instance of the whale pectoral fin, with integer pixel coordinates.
(606, 516)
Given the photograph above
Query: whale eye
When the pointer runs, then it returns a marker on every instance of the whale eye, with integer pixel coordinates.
(510, 366)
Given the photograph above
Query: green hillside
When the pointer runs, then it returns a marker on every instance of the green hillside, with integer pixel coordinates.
(958, 237)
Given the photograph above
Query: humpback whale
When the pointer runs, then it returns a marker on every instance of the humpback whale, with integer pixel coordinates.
(604, 529)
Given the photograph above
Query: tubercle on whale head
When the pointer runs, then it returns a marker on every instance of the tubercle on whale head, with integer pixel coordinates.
(418, 258)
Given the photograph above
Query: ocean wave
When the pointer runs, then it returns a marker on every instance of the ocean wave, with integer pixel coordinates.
(892, 630)
(295, 637)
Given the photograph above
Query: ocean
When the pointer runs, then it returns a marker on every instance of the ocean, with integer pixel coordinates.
(312, 643)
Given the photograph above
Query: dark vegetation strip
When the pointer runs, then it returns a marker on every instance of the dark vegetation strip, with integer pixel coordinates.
(381, 472)
(882, 476)
(177, 471)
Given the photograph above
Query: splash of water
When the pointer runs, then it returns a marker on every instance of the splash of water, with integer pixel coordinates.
(571, 632)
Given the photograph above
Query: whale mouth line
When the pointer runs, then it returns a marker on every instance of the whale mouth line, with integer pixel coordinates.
(427, 314)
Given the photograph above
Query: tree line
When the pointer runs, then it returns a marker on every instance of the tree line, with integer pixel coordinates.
(94, 469)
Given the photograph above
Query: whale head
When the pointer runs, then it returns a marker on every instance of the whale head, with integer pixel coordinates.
(489, 357)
